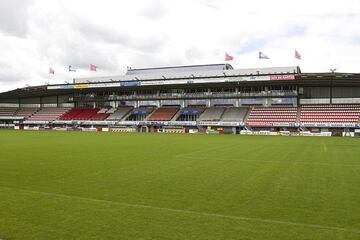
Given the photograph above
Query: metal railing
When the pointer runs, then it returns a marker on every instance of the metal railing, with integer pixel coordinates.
(205, 95)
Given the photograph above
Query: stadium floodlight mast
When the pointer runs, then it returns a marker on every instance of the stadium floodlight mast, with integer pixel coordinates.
(332, 70)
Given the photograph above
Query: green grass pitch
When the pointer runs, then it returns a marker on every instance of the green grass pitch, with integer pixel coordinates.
(76, 185)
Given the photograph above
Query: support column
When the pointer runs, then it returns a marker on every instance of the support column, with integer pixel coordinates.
(331, 93)
(183, 103)
(297, 96)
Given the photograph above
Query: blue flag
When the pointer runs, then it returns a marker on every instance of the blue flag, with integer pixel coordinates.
(263, 56)
(71, 70)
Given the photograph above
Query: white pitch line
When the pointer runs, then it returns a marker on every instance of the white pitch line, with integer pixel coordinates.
(324, 146)
(271, 161)
(204, 150)
(190, 212)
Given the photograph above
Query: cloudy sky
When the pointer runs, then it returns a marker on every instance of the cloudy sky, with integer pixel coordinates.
(114, 34)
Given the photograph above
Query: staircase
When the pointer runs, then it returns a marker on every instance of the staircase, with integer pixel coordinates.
(223, 113)
(176, 116)
(247, 115)
(298, 115)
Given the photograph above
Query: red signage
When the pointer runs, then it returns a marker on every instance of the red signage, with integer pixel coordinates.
(282, 77)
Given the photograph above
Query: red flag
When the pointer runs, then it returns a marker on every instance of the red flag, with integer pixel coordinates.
(228, 57)
(297, 55)
(93, 67)
(51, 71)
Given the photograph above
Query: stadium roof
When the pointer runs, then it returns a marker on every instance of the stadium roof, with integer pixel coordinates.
(28, 92)
(179, 69)
(195, 71)
(304, 79)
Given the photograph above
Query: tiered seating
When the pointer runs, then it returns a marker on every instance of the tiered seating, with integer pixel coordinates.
(111, 110)
(26, 112)
(48, 114)
(101, 115)
(86, 114)
(234, 114)
(103, 110)
(190, 113)
(139, 114)
(212, 114)
(71, 114)
(80, 114)
(120, 113)
(164, 114)
(7, 111)
(335, 114)
(272, 115)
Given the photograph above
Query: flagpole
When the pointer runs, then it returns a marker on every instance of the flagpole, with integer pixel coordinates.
(294, 58)
(225, 60)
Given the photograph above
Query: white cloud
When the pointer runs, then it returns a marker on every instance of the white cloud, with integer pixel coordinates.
(38, 34)
(13, 16)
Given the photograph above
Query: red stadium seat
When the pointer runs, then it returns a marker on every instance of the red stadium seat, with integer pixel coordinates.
(334, 114)
(272, 115)
(163, 114)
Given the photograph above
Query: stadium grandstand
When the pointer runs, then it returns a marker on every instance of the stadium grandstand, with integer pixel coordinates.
(199, 98)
